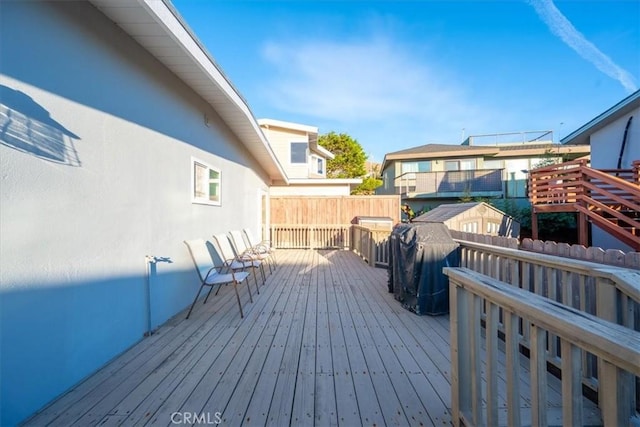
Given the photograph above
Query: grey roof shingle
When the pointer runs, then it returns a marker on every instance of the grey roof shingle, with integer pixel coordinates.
(445, 212)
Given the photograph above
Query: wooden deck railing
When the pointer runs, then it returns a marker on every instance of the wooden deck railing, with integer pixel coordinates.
(372, 245)
(609, 198)
(476, 299)
(609, 293)
(318, 236)
(474, 181)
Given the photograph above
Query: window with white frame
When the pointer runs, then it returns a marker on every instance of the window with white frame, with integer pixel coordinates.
(205, 183)
(320, 165)
(299, 152)
(470, 227)
(420, 166)
(493, 164)
(493, 227)
(459, 165)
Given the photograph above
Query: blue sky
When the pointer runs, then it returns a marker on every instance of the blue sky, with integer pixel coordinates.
(398, 74)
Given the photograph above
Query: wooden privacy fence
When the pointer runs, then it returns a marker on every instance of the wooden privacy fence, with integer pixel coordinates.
(594, 254)
(476, 299)
(328, 223)
(336, 210)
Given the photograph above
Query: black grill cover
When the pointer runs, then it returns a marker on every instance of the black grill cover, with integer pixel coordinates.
(417, 254)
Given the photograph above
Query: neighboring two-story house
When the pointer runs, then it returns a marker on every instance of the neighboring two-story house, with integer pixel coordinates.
(304, 161)
(433, 174)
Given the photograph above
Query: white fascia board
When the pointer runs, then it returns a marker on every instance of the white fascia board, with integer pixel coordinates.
(288, 125)
(323, 151)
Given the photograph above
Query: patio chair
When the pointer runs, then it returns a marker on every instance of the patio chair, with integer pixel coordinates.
(234, 262)
(263, 246)
(210, 274)
(245, 251)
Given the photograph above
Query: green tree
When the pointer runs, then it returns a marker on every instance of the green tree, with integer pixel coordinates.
(368, 186)
(349, 156)
(548, 158)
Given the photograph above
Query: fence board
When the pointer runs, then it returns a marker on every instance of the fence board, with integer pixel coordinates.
(311, 210)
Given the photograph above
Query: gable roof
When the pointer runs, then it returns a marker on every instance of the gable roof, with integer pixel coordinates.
(159, 28)
(447, 211)
(438, 151)
(430, 151)
(311, 131)
(581, 135)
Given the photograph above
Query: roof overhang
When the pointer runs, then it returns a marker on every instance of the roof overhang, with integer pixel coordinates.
(158, 28)
(582, 135)
(287, 125)
(319, 149)
(550, 149)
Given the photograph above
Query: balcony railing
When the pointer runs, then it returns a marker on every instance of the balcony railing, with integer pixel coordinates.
(450, 183)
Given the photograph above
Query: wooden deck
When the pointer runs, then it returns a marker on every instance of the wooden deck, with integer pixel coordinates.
(323, 344)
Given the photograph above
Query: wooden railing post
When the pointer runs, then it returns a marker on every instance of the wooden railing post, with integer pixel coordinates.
(372, 249)
(460, 353)
(616, 348)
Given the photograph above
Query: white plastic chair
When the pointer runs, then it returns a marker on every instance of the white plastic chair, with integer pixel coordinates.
(210, 274)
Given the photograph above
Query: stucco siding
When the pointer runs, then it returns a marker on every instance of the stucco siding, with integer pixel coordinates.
(281, 140)
(388, 180)
(607, 143)
(95, 150)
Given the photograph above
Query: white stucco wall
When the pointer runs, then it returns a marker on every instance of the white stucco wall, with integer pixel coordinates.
(95, 151)
(388, 180)
(280, 140)
(606, 145)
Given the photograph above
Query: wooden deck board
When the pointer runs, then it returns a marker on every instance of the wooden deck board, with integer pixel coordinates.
(366, 398)
(388, 400)
(280, 411)
(325, 408)
(323, 344)
(409, 359)
(265, 389)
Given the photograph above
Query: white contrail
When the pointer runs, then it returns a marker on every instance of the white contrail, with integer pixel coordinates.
(561, 27)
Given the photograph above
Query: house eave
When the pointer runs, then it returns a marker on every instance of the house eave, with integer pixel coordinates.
(158, 28)
(319, 149)
(287, 125)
